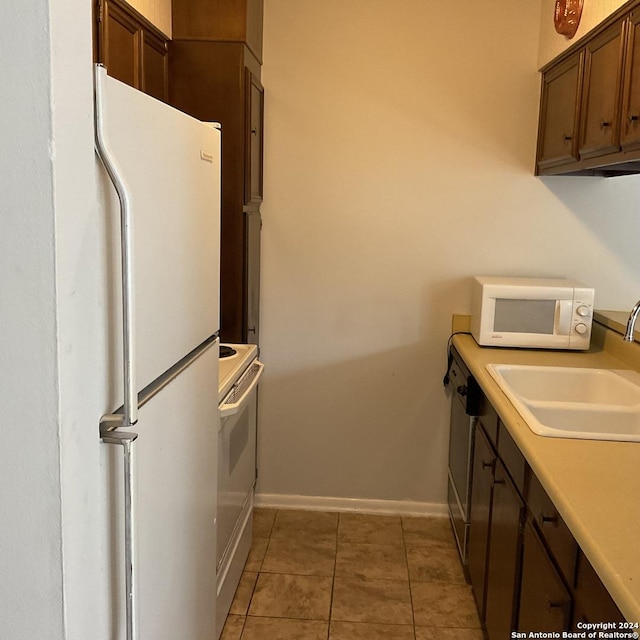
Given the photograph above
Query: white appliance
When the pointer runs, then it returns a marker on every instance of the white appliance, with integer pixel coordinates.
(546, 313)
(240, 371)
(160, 210)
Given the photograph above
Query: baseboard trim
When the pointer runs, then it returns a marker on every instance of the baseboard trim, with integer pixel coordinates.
(360, 505)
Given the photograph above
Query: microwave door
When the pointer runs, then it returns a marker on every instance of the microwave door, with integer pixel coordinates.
(563, 315)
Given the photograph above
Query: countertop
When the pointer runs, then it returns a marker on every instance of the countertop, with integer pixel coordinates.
(595, 485)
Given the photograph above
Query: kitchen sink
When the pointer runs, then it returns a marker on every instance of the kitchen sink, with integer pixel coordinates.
(566, 402)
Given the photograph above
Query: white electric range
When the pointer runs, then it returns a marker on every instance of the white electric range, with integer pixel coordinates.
(239, 372)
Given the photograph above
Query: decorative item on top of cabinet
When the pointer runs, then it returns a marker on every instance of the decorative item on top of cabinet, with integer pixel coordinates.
(566, 17)
(214, 67)
(131, 48)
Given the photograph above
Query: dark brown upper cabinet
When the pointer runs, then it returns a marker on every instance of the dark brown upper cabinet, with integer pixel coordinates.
(254, 105)
(590, 103)
(559, 113)
(602, 81)
(220, 20)
(214, 69)
(630, 112)
(131, 48)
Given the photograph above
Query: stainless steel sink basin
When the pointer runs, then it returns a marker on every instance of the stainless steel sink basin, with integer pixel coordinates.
(563, 402)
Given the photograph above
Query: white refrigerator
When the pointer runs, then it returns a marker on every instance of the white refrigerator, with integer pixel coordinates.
(159, 178)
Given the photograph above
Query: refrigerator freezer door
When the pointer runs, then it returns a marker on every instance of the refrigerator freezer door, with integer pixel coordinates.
(170, 164)
(175, 508)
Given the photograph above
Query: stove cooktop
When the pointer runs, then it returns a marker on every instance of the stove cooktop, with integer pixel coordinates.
(226, 351)
(233, 365)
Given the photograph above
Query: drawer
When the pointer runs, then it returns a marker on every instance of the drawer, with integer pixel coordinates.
(513, 459)
(552, 528)
(489, 420)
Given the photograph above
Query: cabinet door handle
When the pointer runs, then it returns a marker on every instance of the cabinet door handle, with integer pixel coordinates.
(604, 124)
(542, 519)
(498, 481)
(488, 465)
(633, 117)
(462, 390)
(567, 138)
(553, 604)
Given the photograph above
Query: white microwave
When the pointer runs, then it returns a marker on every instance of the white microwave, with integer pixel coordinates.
(538, 313)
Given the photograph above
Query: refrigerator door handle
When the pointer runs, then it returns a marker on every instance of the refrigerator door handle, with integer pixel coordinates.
(130, 411)
(126, 439)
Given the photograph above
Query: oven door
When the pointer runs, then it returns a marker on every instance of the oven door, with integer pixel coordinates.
(459, 482)
(236, 454)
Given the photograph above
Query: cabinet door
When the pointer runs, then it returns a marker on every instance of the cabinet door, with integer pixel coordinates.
(120, 50)
(484, 461)
(131, 48)
(600, 127)
(630, 112)
(559, 540)
(559, 108)
(254, 139)
(545, 604)
(155, 67)
(503, 567)
(592, 600)
(253, 222)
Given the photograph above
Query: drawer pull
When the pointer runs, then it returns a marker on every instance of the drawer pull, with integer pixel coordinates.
(542, 519)
(633, 117)
(488, 465)
(604, 124)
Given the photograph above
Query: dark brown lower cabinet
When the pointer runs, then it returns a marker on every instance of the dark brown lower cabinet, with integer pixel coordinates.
(545, 603)
(484, 460)
(592, 601)
(503, 567)
(527, 570)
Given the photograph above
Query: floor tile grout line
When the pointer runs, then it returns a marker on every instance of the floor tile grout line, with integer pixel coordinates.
(406, 559)
(333, 579)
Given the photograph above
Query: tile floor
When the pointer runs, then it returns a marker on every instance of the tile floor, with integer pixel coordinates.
(328, 576)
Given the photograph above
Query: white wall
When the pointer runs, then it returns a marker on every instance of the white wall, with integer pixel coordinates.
(30, 533)
(399, 152)
(52, 539)
(553, 44)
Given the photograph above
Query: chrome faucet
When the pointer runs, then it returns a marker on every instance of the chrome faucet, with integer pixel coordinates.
(631, 322)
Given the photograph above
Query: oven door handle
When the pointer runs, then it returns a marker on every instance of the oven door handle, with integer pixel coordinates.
(247, 383)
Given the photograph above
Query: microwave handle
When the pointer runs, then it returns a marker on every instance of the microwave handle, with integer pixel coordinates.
(564, 312)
